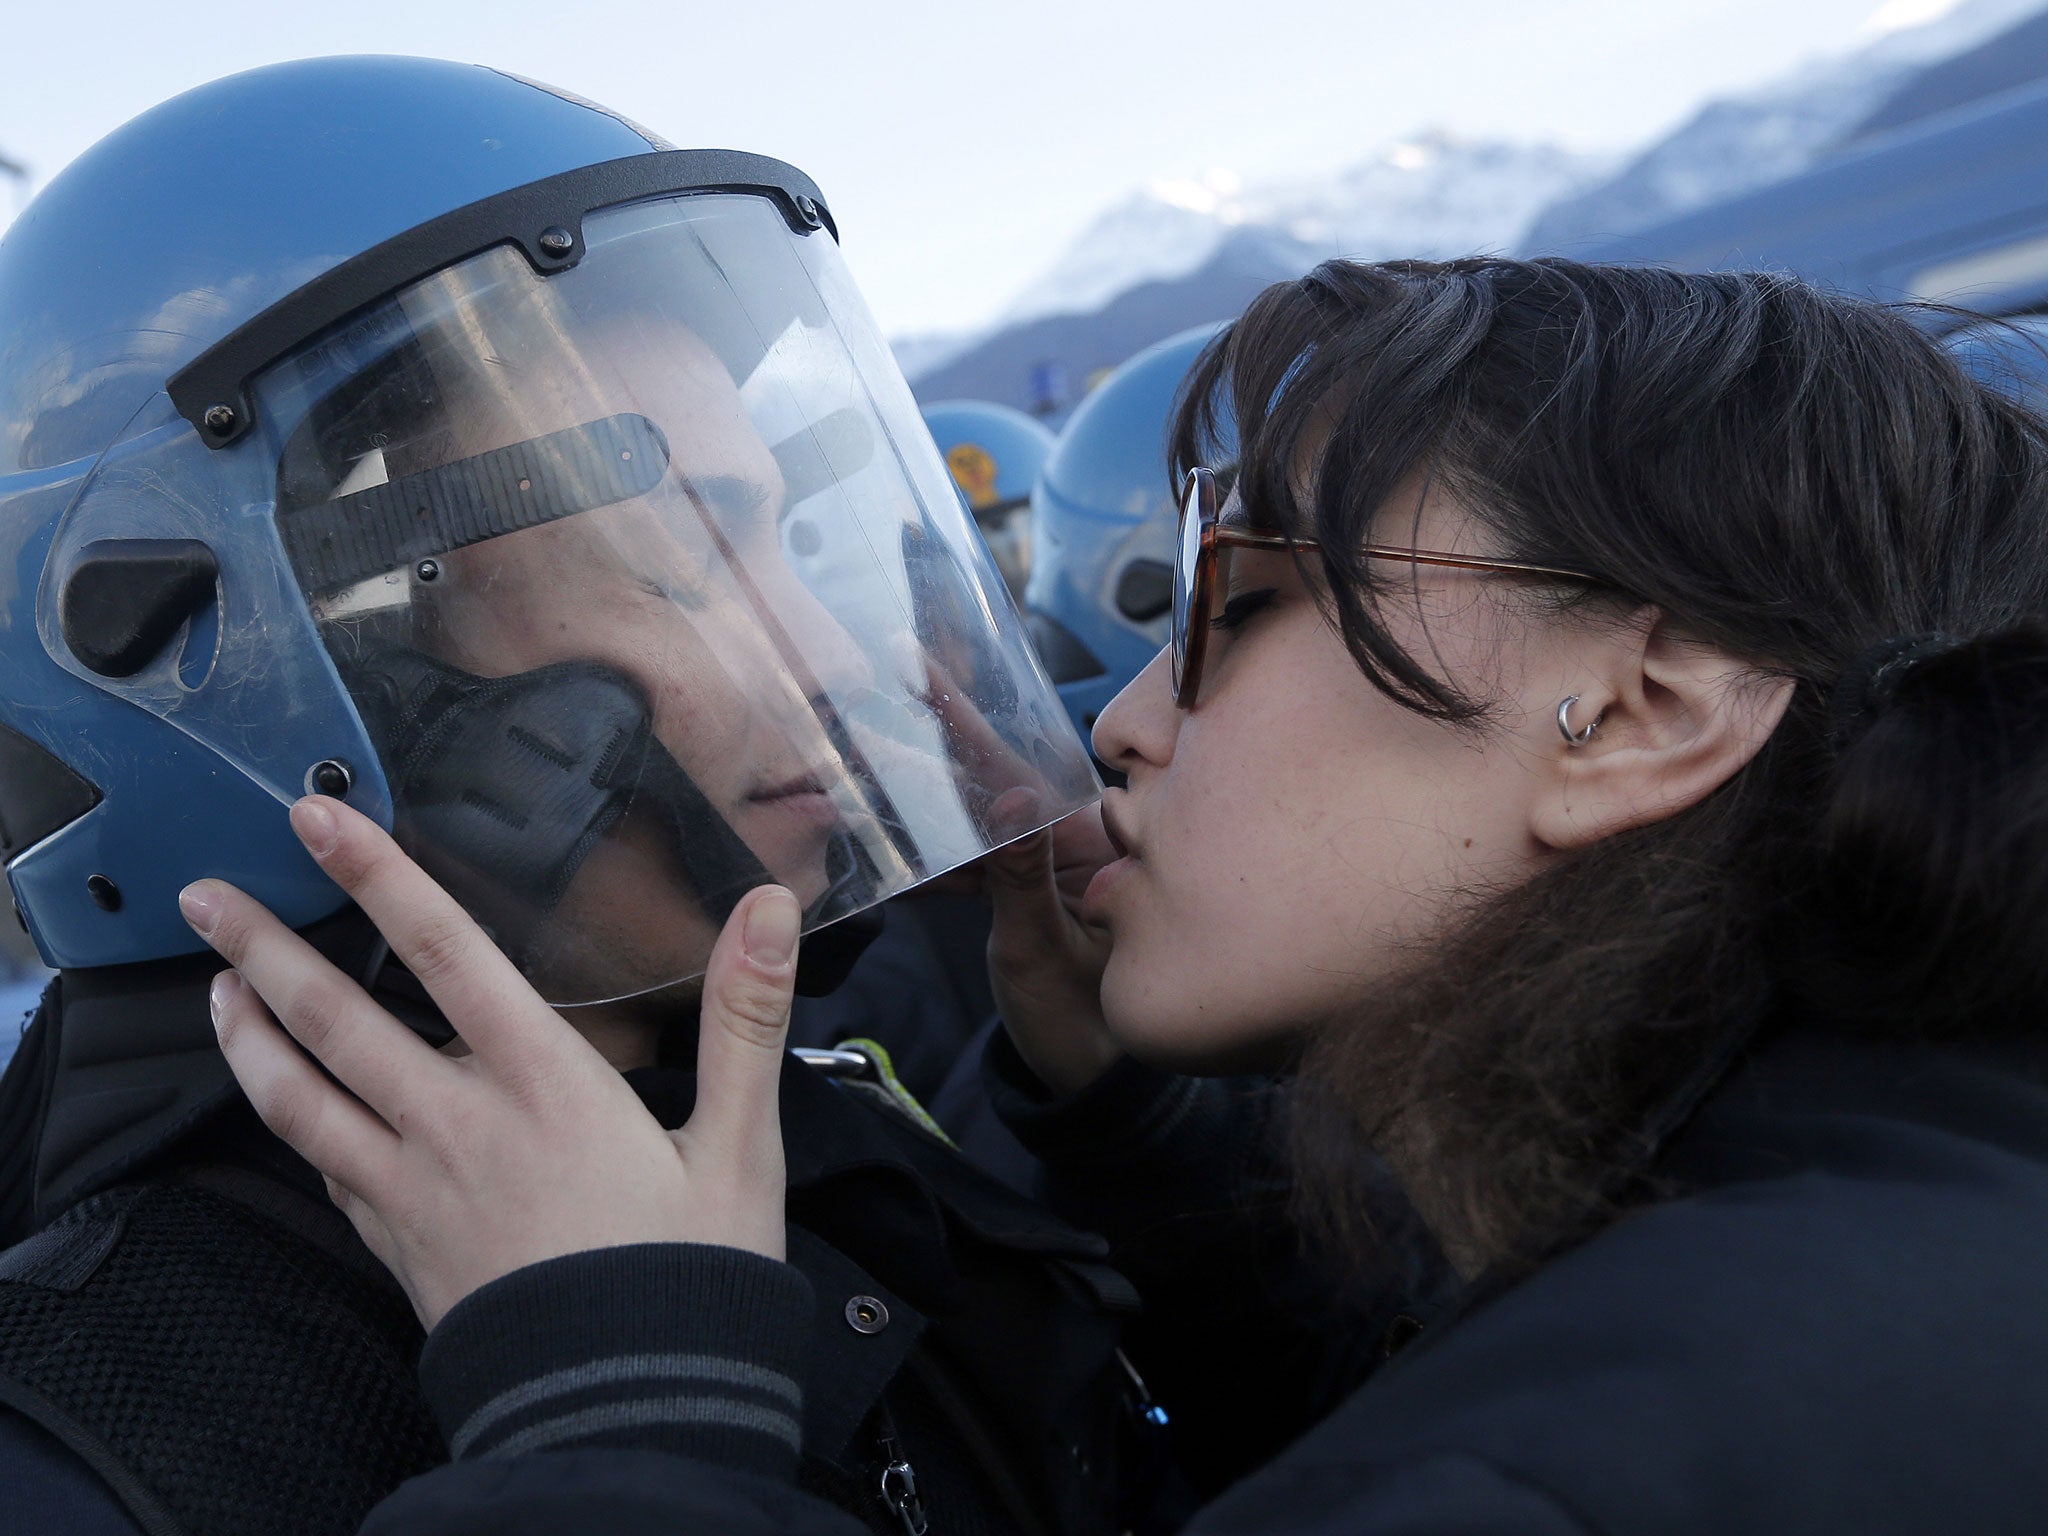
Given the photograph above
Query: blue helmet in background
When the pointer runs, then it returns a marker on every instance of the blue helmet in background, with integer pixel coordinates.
(353, 412)
(2009, 355)
(1103, 523)
(995, 453)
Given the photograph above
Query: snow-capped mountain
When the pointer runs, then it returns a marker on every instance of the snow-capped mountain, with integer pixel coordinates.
(1433, 195)
(1178, 253)
(1746, 141)
(1221, 240)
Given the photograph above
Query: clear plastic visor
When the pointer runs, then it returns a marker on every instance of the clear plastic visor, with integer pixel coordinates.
(649, 586)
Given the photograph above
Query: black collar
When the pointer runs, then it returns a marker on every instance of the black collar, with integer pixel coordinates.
(882, 1189)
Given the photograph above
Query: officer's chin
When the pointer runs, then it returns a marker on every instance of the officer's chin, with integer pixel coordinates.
(650, 1029)
(662, 1008)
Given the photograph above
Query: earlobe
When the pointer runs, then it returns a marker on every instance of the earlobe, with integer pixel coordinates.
(1669, 722)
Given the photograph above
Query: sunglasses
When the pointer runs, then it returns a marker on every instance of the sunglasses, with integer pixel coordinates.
(1201, 573)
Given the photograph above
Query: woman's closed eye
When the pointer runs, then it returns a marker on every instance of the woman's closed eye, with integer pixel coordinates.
(1243, 606)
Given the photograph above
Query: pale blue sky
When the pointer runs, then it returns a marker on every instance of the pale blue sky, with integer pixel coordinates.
(963, 144)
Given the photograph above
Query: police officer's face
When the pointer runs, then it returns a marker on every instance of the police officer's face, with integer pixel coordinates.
(686, 592)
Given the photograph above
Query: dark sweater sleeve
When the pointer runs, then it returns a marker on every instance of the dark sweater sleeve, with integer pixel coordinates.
(656, 1387)
(1244, 1339)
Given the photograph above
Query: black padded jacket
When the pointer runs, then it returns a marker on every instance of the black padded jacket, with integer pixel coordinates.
(204, 1347)
(1832, 1323)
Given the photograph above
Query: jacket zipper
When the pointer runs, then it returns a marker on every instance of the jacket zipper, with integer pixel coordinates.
(899, 1480)
(966, 1423)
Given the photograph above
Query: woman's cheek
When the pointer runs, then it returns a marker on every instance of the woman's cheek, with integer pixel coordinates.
(1173, 990)
(1193, 1024)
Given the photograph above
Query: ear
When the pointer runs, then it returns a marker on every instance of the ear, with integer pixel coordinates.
(1678, 719)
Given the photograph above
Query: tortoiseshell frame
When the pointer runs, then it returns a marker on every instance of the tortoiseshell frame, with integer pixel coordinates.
(1191, 619)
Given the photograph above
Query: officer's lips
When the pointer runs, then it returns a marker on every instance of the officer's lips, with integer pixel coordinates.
(802, 798)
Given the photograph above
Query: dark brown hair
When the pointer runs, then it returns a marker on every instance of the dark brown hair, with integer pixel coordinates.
(1788, 474)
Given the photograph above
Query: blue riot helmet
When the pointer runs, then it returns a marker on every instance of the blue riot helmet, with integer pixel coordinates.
(1103, 522)
(2009, 355)
(410, 432)
(995, 454)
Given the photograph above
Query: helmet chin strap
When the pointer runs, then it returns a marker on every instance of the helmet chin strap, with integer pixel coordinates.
(518, 778)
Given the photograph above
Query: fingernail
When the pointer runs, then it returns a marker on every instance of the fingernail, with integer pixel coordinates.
(772, 922)
(201, 905)
(316, 825)
(220, 994)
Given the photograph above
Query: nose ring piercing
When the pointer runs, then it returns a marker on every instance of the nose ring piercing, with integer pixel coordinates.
(1564, 724)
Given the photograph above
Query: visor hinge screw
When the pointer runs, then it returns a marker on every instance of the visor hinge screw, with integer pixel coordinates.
(220, 419)
(807, 209)
(330, 776)
(428, 570)
(104, 893)
(557, 241)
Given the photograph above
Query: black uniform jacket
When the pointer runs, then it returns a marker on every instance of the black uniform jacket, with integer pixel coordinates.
(1836, 1322)
(936, 1343)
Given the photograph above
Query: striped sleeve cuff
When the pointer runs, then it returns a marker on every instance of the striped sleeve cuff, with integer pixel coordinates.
(679, 1347)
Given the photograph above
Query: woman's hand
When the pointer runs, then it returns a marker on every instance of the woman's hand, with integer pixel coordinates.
(1046, 962)
(458, 1170)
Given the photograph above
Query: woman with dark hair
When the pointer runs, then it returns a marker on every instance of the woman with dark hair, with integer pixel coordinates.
(1603, 764)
